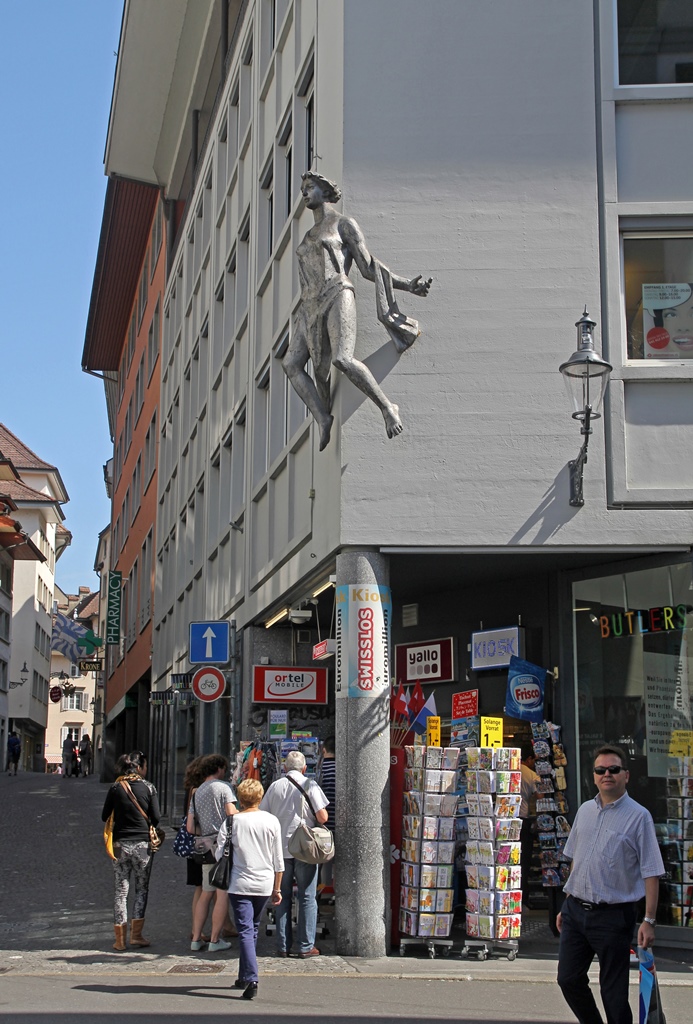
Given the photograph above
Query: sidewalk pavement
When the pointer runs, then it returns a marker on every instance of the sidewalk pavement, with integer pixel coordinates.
(56, 909)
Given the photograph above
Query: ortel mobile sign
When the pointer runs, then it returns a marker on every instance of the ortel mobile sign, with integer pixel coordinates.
(289, 684)
(493, 648)
(363, 617)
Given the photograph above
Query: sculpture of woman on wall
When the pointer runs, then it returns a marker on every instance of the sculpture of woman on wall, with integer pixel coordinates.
(325, 327)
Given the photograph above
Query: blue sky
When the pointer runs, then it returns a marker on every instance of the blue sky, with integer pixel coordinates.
(57, 61)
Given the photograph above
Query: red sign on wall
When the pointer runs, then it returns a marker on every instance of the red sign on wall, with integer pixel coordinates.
(430, 661)
(281, 684)
(465, 705)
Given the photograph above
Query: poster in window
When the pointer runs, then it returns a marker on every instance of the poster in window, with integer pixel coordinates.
(667, 312)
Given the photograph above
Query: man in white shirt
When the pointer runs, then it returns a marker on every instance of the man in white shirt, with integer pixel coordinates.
(285, 802)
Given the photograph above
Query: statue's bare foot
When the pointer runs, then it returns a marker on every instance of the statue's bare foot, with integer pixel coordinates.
(325, 427)
(393, 423)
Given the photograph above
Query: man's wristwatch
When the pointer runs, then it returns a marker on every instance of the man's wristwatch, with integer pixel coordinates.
(650, 920)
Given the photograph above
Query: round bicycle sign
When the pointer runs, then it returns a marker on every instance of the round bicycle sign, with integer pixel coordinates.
(208, 684)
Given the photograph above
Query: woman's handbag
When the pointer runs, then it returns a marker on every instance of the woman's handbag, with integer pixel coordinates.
(203, 846)
(108, 837)
(220, 875)
(310, 845)
(156, 834)
(184, 843)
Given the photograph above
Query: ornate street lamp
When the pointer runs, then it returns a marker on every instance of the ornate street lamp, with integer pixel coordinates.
(586, 375)
(23, 677)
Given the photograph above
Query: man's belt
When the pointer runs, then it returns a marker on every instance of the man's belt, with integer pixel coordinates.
(586, 905)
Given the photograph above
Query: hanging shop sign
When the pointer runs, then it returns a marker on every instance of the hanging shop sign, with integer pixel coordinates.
(324, 649)
(363, 618)
(289, 684)
(430, 661)
(113, 604)
(55, 693)
(525, 695)
(493, 648)
(94, 665)
(465, 704)
(208, 684)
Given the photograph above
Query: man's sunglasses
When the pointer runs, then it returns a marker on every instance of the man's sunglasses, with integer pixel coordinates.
(612, 769)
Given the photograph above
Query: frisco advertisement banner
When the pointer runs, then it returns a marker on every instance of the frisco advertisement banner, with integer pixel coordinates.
(282, 684)
(525, 696)
(364, 616)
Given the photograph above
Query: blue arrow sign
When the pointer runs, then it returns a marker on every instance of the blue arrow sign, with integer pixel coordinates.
(209, 643)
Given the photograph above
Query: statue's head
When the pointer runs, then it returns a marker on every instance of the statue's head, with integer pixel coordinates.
(330, 190)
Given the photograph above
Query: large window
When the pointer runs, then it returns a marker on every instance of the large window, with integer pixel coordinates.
(633, 635)
(658, 275)
(655, 41)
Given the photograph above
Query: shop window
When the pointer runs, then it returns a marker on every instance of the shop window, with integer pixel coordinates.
(633, 648)
(655, 42)
(658, 275)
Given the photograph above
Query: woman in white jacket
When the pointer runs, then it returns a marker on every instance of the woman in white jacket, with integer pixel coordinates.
(256, 875)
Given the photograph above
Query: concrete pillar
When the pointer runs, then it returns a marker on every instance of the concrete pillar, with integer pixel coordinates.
(362, 733)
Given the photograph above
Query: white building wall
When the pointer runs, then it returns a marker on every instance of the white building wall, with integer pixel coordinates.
(471, 142)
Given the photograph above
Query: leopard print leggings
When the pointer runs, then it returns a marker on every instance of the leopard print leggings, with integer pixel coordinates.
(133, 857)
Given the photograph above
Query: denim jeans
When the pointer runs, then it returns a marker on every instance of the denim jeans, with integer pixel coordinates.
(247, 911)
(607, 931)
(306, 878)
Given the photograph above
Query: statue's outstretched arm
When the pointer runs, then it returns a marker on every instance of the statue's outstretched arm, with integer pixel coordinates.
(353, 238)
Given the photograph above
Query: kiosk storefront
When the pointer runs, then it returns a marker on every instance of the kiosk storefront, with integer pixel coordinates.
(633, 651)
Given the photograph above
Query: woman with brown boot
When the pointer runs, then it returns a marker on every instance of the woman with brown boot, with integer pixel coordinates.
(135, 805)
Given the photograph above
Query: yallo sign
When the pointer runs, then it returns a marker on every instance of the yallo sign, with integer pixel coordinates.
(364, 615)
(432, 661)
(280, 684)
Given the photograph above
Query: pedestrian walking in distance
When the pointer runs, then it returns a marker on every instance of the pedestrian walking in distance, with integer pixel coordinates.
(256, 875)
(615, 862)
(69, 756)
(131, 844)
(14, 749)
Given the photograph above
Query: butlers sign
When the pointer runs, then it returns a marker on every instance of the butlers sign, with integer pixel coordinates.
(647, 620)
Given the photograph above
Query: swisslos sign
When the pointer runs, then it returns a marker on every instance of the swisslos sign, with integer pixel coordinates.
(282, 684)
